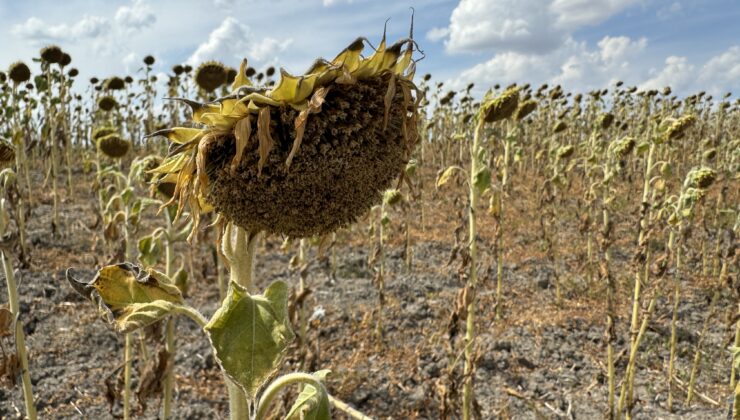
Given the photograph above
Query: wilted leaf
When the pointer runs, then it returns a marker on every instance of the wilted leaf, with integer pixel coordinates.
(130, 296)
(445, 176)
(312, 403)
(249, 335)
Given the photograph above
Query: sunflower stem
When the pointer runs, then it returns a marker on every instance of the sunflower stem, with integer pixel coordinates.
(239, 247)
(473, 278)
(20, 341)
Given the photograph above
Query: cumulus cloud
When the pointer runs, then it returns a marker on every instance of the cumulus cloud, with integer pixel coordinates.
(232, 41)
(722, 71)
(137, 16)
(574, 65)
(36, 29)
(677, 73)
(513, 25)
(435, 34)
(525, 26)
(615, 49)
(572, 14)
(102, 30)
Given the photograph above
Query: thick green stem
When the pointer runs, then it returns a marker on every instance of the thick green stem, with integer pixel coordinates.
(239, 247)
(473, 278)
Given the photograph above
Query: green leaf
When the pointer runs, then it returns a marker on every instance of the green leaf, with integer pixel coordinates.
(150, 249)
(312, 403)
(482, 179)
(249, 335)
(129, 296)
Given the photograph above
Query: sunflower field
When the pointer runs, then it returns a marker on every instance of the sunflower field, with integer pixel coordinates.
(359, 241)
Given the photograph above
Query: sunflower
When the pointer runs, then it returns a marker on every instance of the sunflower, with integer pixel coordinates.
(307, 156)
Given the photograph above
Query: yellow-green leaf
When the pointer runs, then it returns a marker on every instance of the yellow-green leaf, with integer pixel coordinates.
(130, 296)
(249, 335)
(312, 403)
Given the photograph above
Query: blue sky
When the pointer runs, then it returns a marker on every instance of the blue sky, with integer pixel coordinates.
(582, 44)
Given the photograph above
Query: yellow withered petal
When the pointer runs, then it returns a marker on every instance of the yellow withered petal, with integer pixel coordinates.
(236, 108)
(319, 66)
(180, 135)
(241, 77)
(373, 64)
(199, 109)
(390, 56)
(351, 56)
(293, 89)
(405, 60)
(217, 121)
(170, 165)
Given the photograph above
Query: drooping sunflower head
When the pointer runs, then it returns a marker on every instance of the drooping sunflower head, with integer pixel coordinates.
(51, 54)
(500, 107)
(107, 103)
(307, 156)
(115, 83)
(210, 75)
(110, 143)
(19, 72)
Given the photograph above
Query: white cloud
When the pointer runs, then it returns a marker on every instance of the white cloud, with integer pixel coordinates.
(38, 30)
(721, 72)
(532, 26)
(514, 25)
(436, 34)
(233, 41)
(614, 49)
(137, 16)
(573, 65)
(573, 14)
(677, 73)
(328, 3)
(669, 11)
